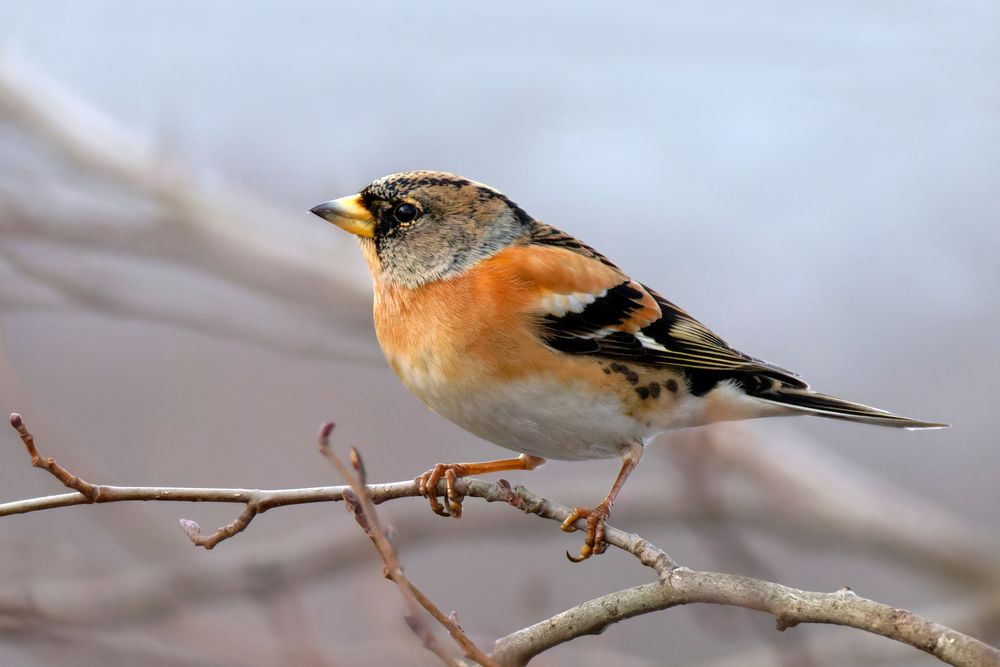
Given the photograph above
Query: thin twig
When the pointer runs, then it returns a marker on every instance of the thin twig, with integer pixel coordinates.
(360, 504)
(262, 500)
(209, 541)
(89, 491)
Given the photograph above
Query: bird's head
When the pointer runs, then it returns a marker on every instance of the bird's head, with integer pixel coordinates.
(419, 226)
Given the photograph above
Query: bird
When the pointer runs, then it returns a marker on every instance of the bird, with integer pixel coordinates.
(532, 340)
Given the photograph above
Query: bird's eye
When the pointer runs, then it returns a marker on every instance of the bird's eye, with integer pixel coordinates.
(405, 212)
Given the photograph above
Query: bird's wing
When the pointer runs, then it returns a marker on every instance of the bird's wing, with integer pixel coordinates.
(590, 307)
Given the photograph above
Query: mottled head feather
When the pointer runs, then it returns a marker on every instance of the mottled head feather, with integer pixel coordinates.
(460, 222)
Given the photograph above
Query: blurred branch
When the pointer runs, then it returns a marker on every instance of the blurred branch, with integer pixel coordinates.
(86, 139)
(76, 646)
(676, 586)
(733, 552)
(225, 235)
(75, 292)
(290, 626)
(807, 484)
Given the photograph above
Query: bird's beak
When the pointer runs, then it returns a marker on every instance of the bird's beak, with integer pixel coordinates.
(348, 213)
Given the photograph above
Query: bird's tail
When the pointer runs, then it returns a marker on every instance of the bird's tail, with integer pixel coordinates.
(812, 403)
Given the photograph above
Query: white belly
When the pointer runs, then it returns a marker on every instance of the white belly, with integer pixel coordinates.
(549, 418)
(540, 418)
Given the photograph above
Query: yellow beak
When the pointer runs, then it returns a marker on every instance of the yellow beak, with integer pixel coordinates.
(348, 213)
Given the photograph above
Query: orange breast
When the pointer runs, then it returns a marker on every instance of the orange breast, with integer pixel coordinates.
(475, 332)
(471, 325)
(480, 326)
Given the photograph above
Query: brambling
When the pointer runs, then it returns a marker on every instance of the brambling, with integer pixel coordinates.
(528, 338)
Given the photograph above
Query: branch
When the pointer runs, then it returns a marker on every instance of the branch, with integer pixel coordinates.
(144, 593)
(260, 500)
(86, 489)
(359, 502)
(677, 586)
(978, 612)
(789, 606)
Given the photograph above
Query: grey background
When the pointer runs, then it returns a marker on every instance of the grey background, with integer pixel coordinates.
(816, 182)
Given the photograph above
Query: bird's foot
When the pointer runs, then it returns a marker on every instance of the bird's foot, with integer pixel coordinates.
(427, 484)
(593, 542)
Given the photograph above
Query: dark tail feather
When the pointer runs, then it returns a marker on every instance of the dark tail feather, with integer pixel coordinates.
(821, 405)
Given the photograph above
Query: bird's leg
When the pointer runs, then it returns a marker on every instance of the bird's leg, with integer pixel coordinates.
(428, 482)
(597, 516)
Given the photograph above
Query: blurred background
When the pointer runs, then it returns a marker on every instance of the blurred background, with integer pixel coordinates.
(817, 182)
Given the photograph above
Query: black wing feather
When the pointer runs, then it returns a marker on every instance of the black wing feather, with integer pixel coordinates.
(607, 311)
(679, 341)
(686, 344)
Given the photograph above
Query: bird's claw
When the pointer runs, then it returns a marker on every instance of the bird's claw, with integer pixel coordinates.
(427, 484)
(593, 542)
